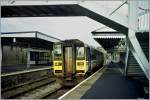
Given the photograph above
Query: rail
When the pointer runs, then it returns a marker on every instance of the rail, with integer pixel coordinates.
(81, 83)
(13, 92)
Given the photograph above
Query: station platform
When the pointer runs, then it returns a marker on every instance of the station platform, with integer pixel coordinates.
(108, 83)
(17, 68)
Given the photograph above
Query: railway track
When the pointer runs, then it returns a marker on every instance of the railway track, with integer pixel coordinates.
(43, 88)
(56, 94)
(17, 91)
(41, 92)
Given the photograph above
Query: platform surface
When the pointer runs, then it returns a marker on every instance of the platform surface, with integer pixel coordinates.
(107, 83)
(114, 85)
(17, 68)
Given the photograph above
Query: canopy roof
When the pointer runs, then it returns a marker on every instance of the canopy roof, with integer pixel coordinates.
(33, 38)
(58, 11)
(108, 40)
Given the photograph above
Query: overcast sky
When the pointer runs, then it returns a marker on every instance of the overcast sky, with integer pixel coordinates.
(59, 27)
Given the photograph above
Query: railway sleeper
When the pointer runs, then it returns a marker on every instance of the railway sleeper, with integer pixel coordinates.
(25, 88)
(42, 92)
(22, 84)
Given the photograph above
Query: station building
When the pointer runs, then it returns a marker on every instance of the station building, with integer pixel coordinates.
(21, 50)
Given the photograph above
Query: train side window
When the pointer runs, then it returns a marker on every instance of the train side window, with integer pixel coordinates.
(87, 54)
(93, 55)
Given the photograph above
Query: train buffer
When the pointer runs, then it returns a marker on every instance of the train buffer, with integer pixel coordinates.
(106, 83)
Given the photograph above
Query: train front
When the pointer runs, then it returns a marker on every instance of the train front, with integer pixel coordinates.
(57, 60)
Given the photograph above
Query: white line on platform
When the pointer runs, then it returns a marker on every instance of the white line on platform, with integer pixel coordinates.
(25, 71)
(79, 84)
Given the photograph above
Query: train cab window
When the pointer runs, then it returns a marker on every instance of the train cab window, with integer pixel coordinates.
(57, 51)
(80, 52)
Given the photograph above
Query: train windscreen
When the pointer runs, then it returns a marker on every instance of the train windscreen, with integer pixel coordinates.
(57, 52)
(80, 53)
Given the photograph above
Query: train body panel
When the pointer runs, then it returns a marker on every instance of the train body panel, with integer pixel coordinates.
(81, 67)
(97, 58)
(58, 68)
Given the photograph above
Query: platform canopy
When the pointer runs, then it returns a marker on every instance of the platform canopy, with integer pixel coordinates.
(108, 40)
(32, 39)
(60, 10)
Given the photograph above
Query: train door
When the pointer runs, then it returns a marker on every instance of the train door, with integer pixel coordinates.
(88, 59)
(68, 59)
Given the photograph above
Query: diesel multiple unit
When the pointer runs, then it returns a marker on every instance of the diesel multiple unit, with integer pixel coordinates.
(73, 58)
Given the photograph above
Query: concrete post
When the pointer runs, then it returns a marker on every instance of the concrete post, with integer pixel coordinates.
(28, 56)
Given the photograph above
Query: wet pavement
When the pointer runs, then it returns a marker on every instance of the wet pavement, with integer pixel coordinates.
(114, 85)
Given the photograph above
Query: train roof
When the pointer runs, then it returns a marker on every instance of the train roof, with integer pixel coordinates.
(71, 41)
(78, 43)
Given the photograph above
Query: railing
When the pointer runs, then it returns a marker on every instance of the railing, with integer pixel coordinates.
(144, 16)
(126, 60)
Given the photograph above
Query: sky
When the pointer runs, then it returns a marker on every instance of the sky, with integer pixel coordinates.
(59, 27)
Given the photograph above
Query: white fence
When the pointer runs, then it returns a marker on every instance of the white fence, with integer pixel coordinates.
(144, 15)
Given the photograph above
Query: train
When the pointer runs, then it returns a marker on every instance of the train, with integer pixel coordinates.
(73, 58)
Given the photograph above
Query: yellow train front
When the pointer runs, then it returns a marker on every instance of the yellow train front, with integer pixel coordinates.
(73, 58)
